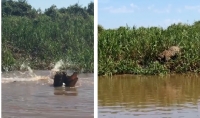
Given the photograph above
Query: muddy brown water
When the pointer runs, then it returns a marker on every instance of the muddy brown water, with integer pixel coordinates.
(129, 96)
(26, 95)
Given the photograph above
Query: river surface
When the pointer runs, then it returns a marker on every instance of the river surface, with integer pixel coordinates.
(130, 96)
(31, 95)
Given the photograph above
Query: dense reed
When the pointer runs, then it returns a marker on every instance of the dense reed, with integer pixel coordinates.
(41, 38)
(134, 50)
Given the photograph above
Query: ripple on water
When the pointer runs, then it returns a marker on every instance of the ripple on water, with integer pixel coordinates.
(149, 96)
(35, 97)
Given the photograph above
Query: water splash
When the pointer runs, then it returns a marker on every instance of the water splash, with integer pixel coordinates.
(56, 68)
(25, 67)
(23, 79)
(58, 65)
(25, 74)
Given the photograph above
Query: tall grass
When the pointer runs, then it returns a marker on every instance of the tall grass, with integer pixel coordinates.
(134, 50)
(48, 37)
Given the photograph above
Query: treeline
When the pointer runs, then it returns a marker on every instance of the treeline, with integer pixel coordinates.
(44, 37)
(134, 50)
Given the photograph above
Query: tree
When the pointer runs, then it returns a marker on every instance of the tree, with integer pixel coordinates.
(16, 8)
(100, 28)
(90, 9)
(52, 11)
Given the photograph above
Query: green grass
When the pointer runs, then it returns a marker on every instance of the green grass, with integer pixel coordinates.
(134, 50)
(48, 37)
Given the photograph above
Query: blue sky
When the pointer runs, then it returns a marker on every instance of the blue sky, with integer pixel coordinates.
(44, 4)
(162, 13)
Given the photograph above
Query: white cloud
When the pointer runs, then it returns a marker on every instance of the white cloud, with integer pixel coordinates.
(165, 10)
(179, 10)
(168, 22)
(151, 7)
(196, 8)
(122, 9)
(161, 11)
(134, 6)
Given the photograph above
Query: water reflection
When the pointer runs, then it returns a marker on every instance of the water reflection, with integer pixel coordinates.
(69, 91)
(35, 97)
(158, 96)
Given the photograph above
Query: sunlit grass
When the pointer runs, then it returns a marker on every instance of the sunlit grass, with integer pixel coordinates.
(134, 50)
(43, 41)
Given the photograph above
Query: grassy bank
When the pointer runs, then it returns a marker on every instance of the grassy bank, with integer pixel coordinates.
(41, 38)
(134, 50)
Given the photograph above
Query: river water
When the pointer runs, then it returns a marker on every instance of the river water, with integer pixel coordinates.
(131, 96)
(31, 95)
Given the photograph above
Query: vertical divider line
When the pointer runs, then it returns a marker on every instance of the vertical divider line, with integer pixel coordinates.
(95, 59)
(1, 58)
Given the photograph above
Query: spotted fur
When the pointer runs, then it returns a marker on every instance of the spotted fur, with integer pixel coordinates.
(166, 55)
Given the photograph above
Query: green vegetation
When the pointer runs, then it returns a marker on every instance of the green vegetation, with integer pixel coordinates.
(41, 38)
(134, 50)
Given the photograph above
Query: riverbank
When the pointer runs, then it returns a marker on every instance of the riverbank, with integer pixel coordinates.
(135, 50)
(41, 38)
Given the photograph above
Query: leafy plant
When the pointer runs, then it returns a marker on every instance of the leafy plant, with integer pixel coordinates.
(134, 50)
